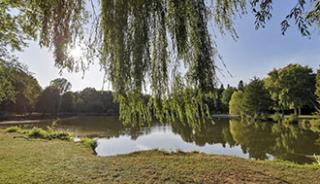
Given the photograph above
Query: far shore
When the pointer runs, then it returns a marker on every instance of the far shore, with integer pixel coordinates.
(35, 117)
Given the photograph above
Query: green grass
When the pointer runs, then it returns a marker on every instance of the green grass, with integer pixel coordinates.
(39, 133)
(56, 161)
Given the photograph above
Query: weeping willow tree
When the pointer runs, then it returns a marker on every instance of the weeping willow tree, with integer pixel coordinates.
(157, 47)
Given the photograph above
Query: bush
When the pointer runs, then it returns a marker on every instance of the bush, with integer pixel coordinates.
(277, 117)
(315, 125)
(317, 158)
(292, 119)
(39, 133)
(14, 129)
(59, 134)
(92, 143)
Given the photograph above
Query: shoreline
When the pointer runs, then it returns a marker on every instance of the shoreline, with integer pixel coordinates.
(69, 162)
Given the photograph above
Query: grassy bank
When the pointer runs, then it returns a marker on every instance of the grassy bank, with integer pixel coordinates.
(56, 161)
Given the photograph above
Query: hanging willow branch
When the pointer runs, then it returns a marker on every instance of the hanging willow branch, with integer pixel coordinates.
(137, 35)
(158, 47)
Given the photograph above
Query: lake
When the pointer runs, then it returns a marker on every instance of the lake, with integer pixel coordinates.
(258, 141)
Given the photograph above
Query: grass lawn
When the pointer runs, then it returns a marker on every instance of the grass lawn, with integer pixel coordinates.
(42, 161)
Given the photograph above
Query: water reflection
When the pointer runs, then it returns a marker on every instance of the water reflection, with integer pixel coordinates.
(221, 136)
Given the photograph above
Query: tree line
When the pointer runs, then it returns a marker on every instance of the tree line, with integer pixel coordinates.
(291, 89)
(20, 93)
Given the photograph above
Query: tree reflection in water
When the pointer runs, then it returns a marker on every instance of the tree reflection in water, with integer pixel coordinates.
(259, 140)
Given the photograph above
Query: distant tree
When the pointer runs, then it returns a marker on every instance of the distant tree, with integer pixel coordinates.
(256, 99)
(7, 92)
(241, 85)
(48, 100)
(109, 106)
(21, 89)
(90, 101)
(63, 86)
(235, 103)
(218, 106)
(68, 102)
(295, 87)
(272, 84)
(318, 87)
(226, 97)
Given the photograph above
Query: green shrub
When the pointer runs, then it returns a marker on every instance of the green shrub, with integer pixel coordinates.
(38, 133)
(92, 143)
(315, 125)
(317, 158)
(292, 119)
(14, 129)
(276, 117)
(62, 135)
(315, 122)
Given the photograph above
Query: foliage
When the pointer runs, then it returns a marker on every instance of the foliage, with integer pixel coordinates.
(292, 87)
(256, 100)
(217, 106)
(272, 84)
(7, 92)
(226, 95)
(88, 101)
(92, 143)
(132, 38)
(318, 87)
(56, 23)
(39, 133)
(241, 85)
(63, 86)
(48, 100)
(20, 88)
(14, 129)
(131, 51)
(68, 102)
(291, 119)
(315, 126)
(276, 117)
(317, 158)
(236, 103)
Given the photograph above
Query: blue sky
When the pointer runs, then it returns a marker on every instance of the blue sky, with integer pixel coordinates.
(255, 53)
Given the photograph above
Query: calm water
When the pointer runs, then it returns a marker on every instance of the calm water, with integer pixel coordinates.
(221, 136)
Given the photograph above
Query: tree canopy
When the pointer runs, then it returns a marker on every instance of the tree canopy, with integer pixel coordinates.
(318, 87)
(236, 103)
(19, 90)
(141, 44)
(292, 86)
(256, 100)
